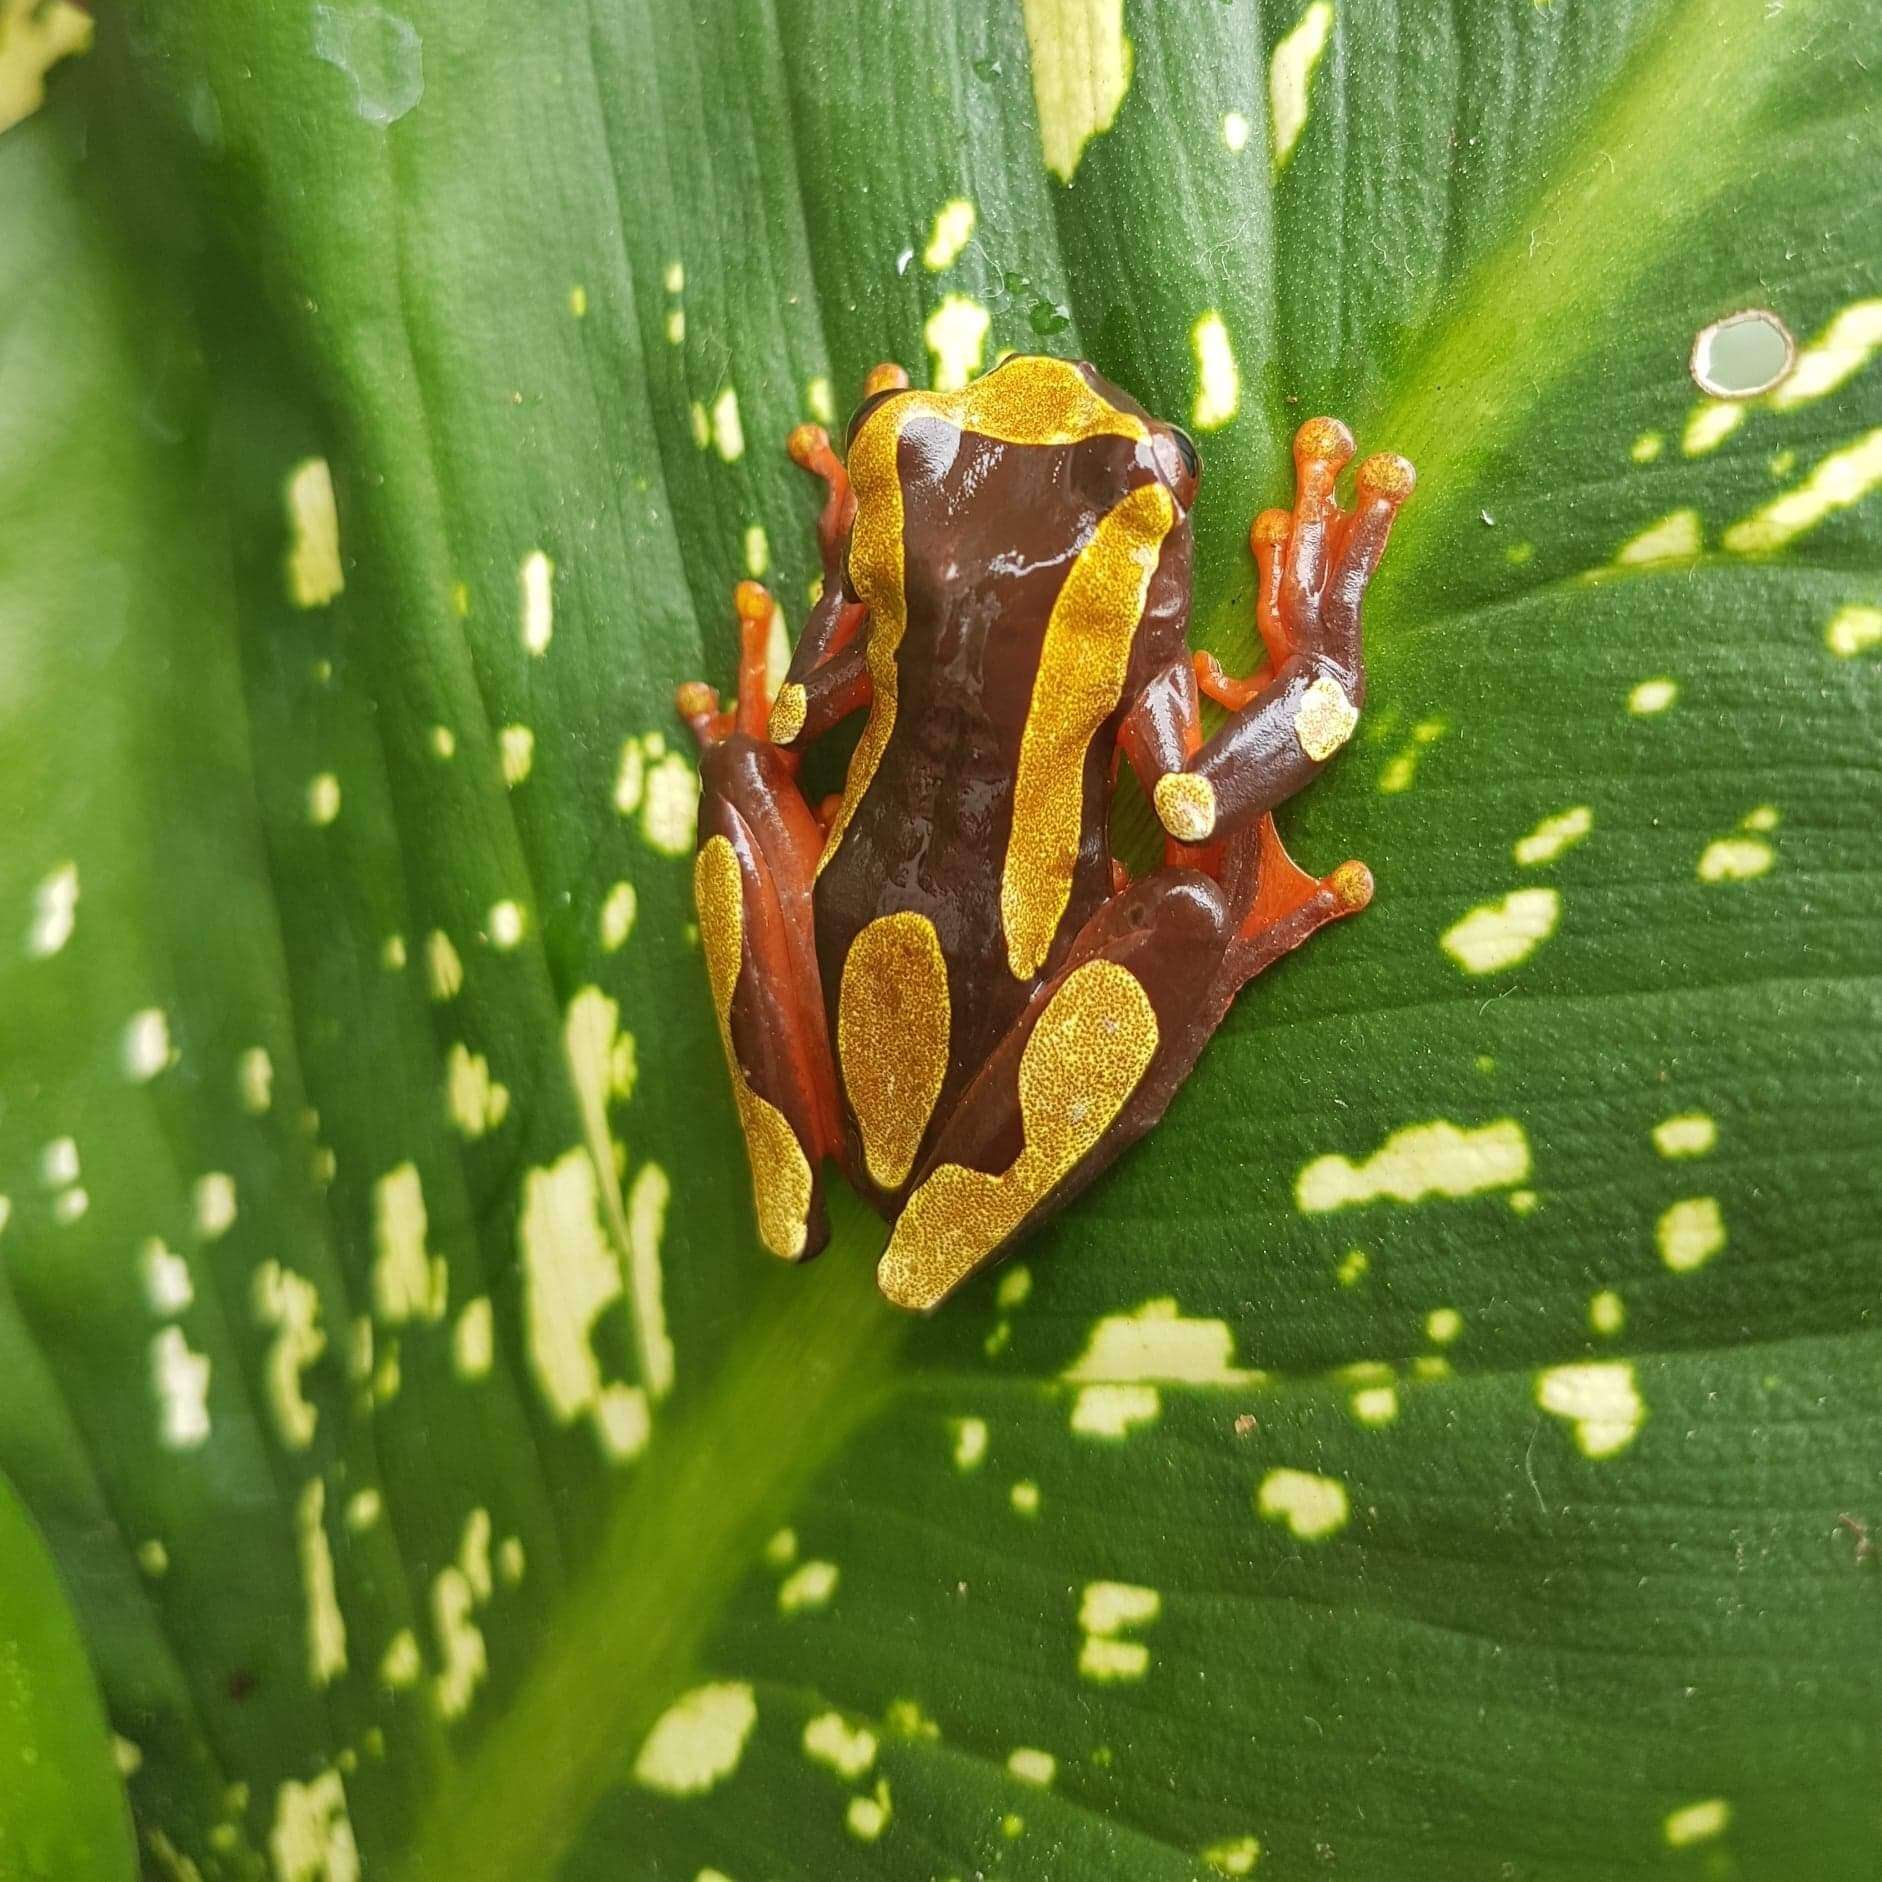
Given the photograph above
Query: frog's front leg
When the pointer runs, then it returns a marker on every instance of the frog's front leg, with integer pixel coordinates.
(1315, 566)
(752, 880)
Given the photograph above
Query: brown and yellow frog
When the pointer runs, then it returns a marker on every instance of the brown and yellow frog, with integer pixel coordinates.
(943, 978)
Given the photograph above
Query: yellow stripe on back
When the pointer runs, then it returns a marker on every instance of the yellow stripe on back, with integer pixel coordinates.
(1080, 679)
(1026, 401)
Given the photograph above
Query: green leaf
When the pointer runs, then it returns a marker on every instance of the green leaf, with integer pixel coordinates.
(62, 1815)
(1445, 1449)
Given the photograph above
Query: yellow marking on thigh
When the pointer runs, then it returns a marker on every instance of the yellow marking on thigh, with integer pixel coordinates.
(780, 1172)
(1087, 1054)
(1082, 665)
(892, 1028)
(1026, 401)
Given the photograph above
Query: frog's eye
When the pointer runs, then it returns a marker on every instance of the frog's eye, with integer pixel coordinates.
(1187, 445)
(862, 413)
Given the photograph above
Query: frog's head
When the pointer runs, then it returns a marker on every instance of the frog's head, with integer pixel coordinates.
(1039, 399)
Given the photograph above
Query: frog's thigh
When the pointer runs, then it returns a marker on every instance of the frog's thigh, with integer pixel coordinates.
(741, 934)
(1094, 1070)
(893, 1021)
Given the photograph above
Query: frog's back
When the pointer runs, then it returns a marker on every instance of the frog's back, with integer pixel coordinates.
(964, 544)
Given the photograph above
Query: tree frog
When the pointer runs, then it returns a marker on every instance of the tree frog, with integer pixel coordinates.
(942, 979)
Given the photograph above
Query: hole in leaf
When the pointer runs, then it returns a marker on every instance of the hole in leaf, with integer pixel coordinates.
(1742, 355)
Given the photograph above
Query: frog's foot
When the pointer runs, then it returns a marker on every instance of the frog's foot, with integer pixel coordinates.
(698, 703)
(758, 848)
(809, 446)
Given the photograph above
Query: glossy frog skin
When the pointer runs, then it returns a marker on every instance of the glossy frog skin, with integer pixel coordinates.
(942, 979)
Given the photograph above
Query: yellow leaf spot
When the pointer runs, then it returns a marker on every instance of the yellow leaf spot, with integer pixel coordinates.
(1157, 1342)
(473, 1340)
(1691, 1134)
(953, 230)
(55, 912)
(517, 746)
(1108, 1608)
(808, 1587)
(286, 1304)
(1599, 1399)
(444, 969)
(1646, 447)
(1499, 935)
(669, 815)
(830, 1740)
(326, 1627)
(1676, 537)
(1218, 378)
(1109, 1411)
(617, 916)
(146, 1047)
(1031, 1766)
(1553, 835)
(868, 1817)
(1853, 630)
(1443, 1325)
(167, 1285)
(536, 583)
(312, 1836)
(1607, 1313)
(1313, 1507)
(214, 1203)
(400, 1665)
(1081, 69)
(1436, 1159)
(728, 430)
(1690, 1233)
(254, 1080)
(570, 1276)
(1107, 1661)
(1696, 1823)
(1710, 424)
(1652, 696)
(505, 925)
(1735, 859)
(698, 1741)
(1235, 132)
(1290, 78)
(323, 799)
(1236, 1857)
(1840, 480)
(1835, 356)
(970, 1443)
(314, 574)
(819, 401)
(646, 1224)
(1024, 1497)
(180, 1379)
(408, 1283)
(956, 334)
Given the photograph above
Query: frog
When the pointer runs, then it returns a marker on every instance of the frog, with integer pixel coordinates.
(941, 980)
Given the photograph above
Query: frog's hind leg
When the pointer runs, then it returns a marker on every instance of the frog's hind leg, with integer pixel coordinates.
(1085, 1070)
(752, 879)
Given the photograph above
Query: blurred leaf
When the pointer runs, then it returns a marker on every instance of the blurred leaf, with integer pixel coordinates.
(1446, 1449)
(62, 1815)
